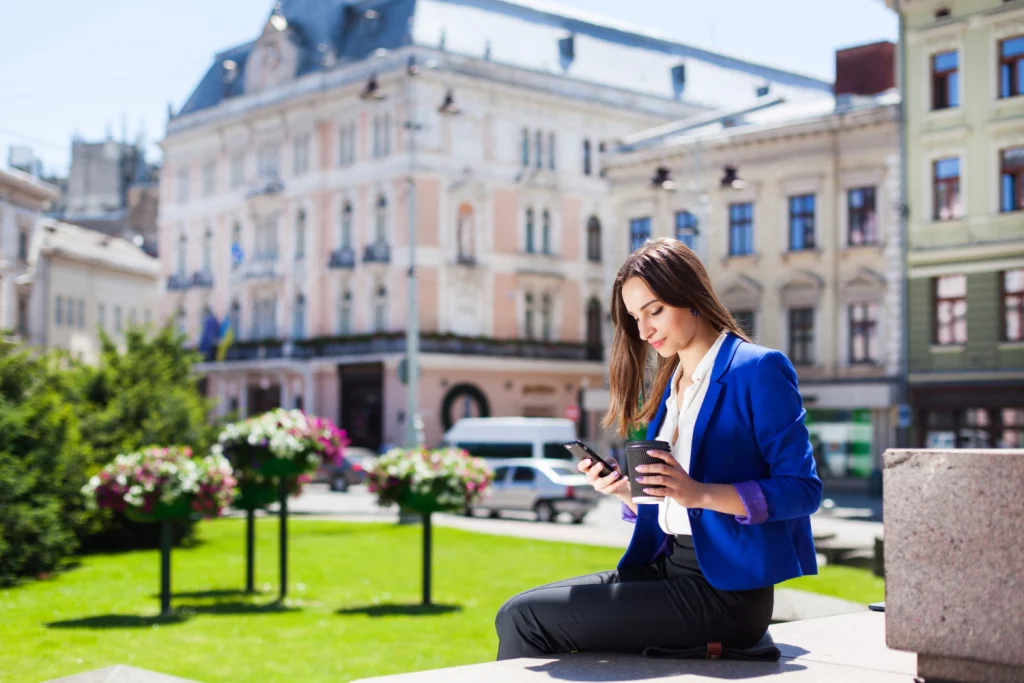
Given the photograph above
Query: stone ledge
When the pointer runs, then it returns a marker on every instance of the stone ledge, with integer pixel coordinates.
(843, 649)
(120, 674)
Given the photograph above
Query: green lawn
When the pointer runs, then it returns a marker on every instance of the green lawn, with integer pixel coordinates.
(354, 608)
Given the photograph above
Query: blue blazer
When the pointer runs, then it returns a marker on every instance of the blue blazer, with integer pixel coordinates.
(750, 428)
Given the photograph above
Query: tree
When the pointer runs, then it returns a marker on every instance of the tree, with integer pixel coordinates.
(43, 463)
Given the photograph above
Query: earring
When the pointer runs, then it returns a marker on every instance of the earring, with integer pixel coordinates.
(695, 312)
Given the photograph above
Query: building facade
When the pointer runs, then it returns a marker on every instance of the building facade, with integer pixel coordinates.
(793, 210)
(80, 282)
(23, 200)
(964, 90)
(293, 171)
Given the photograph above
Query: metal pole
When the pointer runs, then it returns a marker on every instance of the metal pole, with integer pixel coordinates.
(283, 517)
(426, 558)
(413, 430)
(165, 567)
(903, 389)
(250, 551)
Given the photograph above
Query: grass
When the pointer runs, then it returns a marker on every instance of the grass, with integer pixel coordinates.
(353, 608)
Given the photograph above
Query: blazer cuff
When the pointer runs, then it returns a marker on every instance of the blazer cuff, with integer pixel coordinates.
(627, 514)
(754, 503)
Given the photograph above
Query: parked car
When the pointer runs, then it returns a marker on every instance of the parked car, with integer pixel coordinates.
(546, 487)
(352, 469)
(512, 437)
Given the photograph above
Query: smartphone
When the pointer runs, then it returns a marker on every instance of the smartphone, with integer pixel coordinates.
(582, 451)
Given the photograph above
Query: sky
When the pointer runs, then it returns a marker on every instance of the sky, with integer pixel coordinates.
(92, 68)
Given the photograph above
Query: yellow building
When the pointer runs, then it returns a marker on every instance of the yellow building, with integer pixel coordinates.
(963, 76)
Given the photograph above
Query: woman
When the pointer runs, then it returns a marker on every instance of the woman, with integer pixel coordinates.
(737, 488)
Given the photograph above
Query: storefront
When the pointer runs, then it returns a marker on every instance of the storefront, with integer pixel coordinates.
(969, 415)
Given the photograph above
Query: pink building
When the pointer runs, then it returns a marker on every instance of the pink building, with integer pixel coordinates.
(293, 154)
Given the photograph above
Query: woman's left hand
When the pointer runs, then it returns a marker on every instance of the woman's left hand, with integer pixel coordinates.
(675, 482)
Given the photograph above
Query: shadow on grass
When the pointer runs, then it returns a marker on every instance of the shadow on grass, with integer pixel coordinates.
(179, 615)
(214, 593)
(120, 621)
(415, 610)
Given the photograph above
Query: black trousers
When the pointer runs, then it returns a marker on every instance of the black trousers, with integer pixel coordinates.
(668, 604)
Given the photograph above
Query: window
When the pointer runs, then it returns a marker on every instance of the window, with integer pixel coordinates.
(131, 317)
(860, 212)
(1013, 305)
(81, 314)
(22, 321)
(208, 250)
(587, 161)
(523, 474)
(945, 80)
(746, 321)
(300, 235)
(594, 240)
(182, 254)
(345, 238)
(236, 245)
(346, 144)
(499, 450)
(182, 185)
(235, 318)
(181, 322)
(58, 311)
(741, 229)
(118, 327)
(1011, 67)
(299, 318)
(538, 149)
(1011, 179)
(545, 317)
(300, 153)
(525, 147)
(529, 231)
(801, 336)
(345, 313)
(545, 232)
(381, 136)
(237, 170)
(101, 317)
(209, 178)
(23, 233)
(380, 310)
(528, 316)
(950, 310)
(686, 228)
(386, 130)
(268, 162)
(801, 222)
(947, 189)
(639, 232)
(266, 239)
(381, 224)
(551, 151)
(864, 333)
(465, 232)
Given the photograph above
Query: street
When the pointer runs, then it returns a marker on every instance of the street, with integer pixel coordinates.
(848, 524)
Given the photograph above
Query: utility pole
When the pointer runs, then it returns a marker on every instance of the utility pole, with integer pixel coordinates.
(413, 421)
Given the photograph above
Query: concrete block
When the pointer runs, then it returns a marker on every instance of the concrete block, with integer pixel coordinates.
(120, 674)
(849, 648)
(954, 554)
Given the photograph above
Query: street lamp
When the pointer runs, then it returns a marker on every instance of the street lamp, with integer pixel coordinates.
(413, 421)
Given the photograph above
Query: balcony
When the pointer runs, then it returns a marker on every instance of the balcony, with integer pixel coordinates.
(466, 260)
(178, 282)
(342, 258)
(202, 279)
(379, 252)
(265, 267)
(256, 349)
(267, 184)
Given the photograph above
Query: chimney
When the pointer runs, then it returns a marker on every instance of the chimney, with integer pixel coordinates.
(865, 69)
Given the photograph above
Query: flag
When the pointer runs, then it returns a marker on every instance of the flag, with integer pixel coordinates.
(227, 335)
(208, 339)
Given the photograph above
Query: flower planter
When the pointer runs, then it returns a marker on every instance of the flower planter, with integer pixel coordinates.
(255, 495)
(179, 509)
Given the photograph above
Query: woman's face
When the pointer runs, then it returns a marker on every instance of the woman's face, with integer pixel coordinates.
(668, 330)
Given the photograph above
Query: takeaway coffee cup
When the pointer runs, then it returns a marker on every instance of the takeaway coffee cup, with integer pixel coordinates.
(636, 454)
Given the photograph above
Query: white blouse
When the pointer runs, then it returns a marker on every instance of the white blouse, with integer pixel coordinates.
(677, 430)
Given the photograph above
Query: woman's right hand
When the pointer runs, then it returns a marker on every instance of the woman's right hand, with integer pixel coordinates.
(614, 484)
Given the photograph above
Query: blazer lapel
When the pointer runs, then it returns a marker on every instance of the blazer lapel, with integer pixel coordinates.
(707, 407)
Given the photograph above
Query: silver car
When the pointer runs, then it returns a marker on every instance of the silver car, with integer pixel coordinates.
(546, 487)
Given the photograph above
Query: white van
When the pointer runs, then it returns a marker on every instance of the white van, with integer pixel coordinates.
(513, 437)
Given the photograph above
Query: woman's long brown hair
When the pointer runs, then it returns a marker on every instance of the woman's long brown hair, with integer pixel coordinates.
(677, 277)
